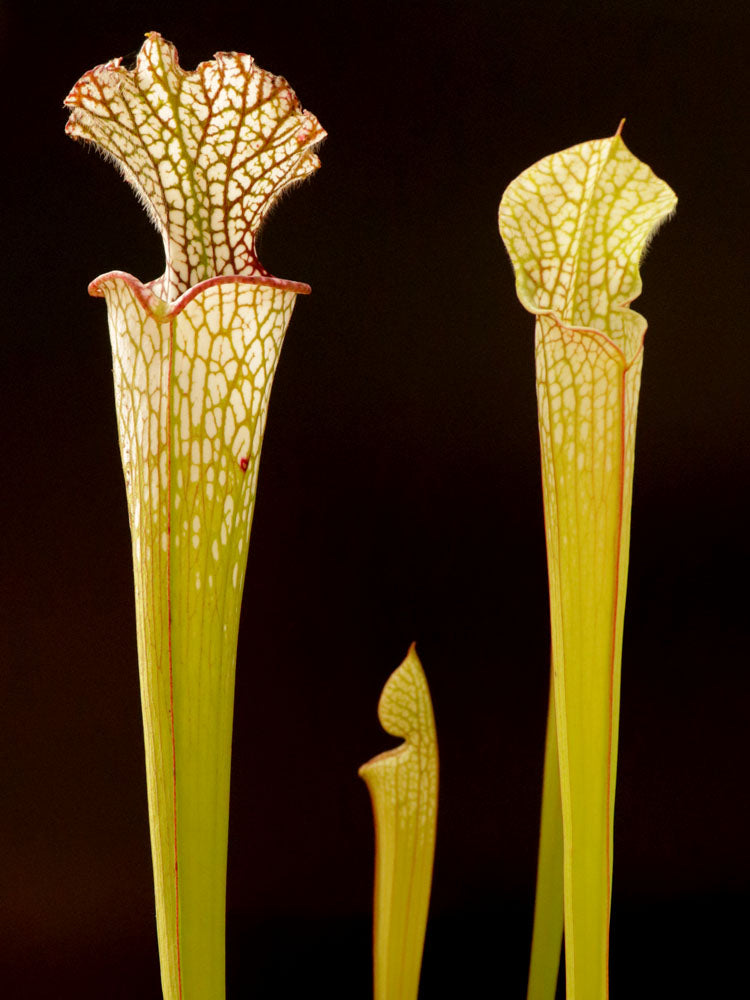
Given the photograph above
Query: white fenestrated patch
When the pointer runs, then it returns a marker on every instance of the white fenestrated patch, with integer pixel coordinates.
(209, 404)
(208, 151)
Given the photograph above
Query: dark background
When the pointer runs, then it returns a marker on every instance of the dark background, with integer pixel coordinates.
(399, 499)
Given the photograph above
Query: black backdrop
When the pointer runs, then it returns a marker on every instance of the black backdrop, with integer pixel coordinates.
(399, 499)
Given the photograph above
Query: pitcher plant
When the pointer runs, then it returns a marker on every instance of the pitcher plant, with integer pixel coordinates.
(194, 355)
(575, 225)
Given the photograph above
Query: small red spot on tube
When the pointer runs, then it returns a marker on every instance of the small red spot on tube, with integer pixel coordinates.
(243, 464)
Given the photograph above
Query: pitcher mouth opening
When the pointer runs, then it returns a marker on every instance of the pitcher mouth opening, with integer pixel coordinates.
(163, 309)
(626, 353)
